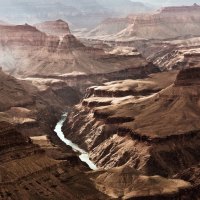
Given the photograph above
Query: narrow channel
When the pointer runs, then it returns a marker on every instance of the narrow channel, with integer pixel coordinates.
(84, 156)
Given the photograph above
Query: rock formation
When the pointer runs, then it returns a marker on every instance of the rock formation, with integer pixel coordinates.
(80, 13)
(34, 106)
(154, 132)
(53, 56)
(59, 28)
(127, 183)
(169, 22)
(172, 54)
(27, 172)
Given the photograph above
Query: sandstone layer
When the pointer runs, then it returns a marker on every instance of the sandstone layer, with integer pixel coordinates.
(27, 172)
(34, 107)
(50, 55)
(42, 167)
(59, 27)
(168, 22)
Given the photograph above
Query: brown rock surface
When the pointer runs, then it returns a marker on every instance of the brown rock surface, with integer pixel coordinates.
(26, 172)
(169, 22)
(179, 53)
(156, 134)
(59, 27)
(35, 110)
(24, 46)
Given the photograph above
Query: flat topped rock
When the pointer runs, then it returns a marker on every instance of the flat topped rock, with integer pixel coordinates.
(57, 28)
(194, 7)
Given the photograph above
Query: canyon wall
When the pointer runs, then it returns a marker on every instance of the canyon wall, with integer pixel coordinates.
(26, 51)
(151, 131)
(169, 22)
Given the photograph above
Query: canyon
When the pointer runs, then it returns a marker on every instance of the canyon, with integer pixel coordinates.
(54, 53)
(43, 52)
(150, 125)
(101, 113)
(79, 13)
(36, 164)
(165, 23)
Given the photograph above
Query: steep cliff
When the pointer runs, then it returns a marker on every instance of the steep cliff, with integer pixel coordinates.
(34, 106)
(172, 54)
(156, 134)
(58, 27)
(169, 22)
(25, 51)
(27, 172)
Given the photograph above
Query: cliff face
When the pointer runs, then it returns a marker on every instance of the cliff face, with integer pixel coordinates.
(170, 54)
(27, 172)
(34, 107)
(58, 28)
(156, 134)
(50, 55)
(8, 97)
(21, 35)
(175, 54)
(170, 22)
(127, 183)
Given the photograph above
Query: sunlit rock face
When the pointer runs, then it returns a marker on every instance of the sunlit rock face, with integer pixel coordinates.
(179, 53)
(169, 22)
(24, 103)
(130, 122)
(58, 28)
(26, 51)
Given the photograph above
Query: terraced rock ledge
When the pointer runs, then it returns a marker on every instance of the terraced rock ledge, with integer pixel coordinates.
(156, 133)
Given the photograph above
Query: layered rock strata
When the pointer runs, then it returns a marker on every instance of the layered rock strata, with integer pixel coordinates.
(34, 107)
(27, 172)
(166, 23)
(52, 55)
(156, 134)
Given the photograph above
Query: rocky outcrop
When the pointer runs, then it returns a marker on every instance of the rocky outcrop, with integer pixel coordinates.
(59, 28)
(27, 172)
(127, 183)
(142, 87)
(179, 53)
(8, 97)
(21, 35)
(156, 134)
(50, 55)
(34, 106)
(192, 175)
(188, 77)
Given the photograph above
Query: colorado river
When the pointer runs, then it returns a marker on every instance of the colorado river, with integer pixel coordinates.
(84, 156)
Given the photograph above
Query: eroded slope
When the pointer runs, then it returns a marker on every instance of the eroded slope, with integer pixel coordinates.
(156, 134)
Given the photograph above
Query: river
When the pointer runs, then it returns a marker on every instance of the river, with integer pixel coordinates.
(84, 156)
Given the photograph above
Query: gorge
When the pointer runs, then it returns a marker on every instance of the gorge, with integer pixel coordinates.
(84, 156)
(101, 113)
